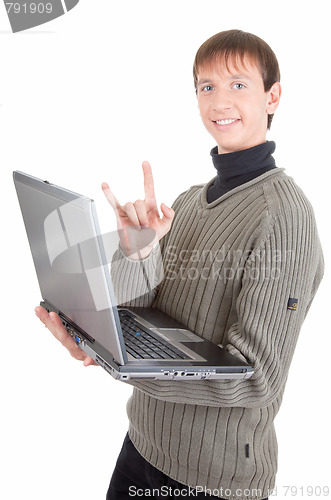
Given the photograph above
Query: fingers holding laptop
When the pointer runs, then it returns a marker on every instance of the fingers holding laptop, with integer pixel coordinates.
(55, 326)
(140, 215)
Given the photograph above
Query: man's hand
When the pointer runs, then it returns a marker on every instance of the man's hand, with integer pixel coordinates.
(140, 215)
(54, 325)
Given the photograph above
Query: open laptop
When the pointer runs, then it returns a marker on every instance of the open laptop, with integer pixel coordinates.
(70, 258)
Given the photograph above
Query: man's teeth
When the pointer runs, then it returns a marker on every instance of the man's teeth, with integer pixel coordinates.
(225, 122)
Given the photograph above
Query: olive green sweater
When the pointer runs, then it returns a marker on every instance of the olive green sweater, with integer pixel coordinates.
(232, 270)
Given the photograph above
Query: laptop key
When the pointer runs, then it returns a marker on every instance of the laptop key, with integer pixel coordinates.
(145, 343)
(154, 355)
(133, 353)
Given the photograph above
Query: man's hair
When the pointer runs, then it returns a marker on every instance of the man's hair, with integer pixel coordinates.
(236, 45)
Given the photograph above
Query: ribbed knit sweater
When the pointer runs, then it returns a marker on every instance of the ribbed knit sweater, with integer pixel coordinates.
(232, 270)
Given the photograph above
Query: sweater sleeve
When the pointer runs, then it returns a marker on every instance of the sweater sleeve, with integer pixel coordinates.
(288, 264)
(135, 281)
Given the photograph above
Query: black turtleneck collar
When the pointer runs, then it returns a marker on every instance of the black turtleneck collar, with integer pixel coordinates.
(239, 167)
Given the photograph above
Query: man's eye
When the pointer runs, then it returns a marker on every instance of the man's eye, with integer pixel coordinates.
(239, 86)
(207, 88)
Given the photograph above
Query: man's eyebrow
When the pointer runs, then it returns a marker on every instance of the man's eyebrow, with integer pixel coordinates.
(204, 80)
(238, 77)
(232, 77)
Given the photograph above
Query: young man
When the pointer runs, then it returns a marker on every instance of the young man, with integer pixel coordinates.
(242, 263)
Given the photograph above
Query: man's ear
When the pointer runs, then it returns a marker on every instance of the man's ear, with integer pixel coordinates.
(273, 98)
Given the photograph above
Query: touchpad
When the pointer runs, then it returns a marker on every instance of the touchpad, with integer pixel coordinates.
(178, 334)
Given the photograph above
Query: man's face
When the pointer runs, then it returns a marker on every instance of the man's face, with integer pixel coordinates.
(234, 106)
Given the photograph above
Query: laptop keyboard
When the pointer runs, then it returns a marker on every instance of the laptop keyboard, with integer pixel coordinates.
(142, 343)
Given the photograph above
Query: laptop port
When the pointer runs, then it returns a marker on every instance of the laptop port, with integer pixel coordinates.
(99, 360)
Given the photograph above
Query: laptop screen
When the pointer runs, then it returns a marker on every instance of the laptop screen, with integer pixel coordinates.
(72, 271)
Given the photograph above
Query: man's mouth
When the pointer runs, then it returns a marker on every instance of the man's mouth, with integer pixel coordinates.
(226, 122)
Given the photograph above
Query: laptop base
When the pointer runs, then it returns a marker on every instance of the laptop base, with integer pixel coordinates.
(151, 369)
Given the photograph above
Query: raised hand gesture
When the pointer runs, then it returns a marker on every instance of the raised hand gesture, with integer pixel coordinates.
(140, 225)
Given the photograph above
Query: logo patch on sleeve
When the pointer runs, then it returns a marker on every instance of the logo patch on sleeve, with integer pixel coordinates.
(292, 304)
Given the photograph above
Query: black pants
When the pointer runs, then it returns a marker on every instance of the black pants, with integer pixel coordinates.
(133, 475)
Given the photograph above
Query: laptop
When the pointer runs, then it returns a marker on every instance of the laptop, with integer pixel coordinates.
(71, 259)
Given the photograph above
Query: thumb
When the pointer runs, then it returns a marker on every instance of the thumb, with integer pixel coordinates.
(168, 213)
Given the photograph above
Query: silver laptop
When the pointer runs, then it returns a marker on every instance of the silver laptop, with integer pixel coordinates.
(71, 258)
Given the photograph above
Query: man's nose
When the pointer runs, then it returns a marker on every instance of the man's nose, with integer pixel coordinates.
(221, 102)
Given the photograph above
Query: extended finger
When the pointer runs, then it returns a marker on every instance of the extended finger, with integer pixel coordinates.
(148, 182)
(110, 196)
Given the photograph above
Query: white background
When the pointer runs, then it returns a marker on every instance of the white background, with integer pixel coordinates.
(87, 98)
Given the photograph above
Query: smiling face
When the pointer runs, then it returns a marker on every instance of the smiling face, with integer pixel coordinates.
(233, 104)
